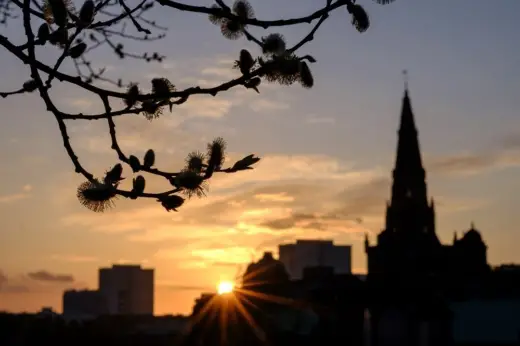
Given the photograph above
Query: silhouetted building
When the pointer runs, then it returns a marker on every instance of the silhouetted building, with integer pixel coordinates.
(412, 277)
(268, 271)
(315, 253)
(127, 289)
(408, 245)
(83, 304)
(417, 292)
(320, 309)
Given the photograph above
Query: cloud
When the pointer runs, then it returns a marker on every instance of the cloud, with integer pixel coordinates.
(208, 254)
(74, 258)
(347, 209)
(16, 196)
(474, 163)
(201, 82)
(224, 255)
(44, 275)
(294, 169)
(3, 279)
(7, 287)
(314, 119)
(502, 153)
(142, 261)
(206, 106)
(266, 105)
(81, 104)
(227, 73)
(123, 221)
(511, 141)
(14, 289)
(12, 198)
(174, 287)
(448, 204)
(166, 68)
(283, 223)
(274, 197)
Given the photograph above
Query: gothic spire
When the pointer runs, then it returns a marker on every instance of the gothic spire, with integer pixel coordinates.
(408, 152)
(409, 175)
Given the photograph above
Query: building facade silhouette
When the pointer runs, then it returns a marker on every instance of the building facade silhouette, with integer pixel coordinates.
(127, 289)
(84, 303)
(315, 253)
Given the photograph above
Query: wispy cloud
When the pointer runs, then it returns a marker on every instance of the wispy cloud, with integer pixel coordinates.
(502, 153)
(207, 106)
(274, 197)
(181, 287)
(474, 163)
(266, 105)
(12, 198)
(74, 258)
(3, 278)
(224, 72)
(43, 275)
(166, 68)
(207, 254)
(451, 204)
(81, 104)
(315, 119)
(9, 198)
(41, 281)
(7, 287)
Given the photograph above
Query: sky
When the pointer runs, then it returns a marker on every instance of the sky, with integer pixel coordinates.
(325, 149)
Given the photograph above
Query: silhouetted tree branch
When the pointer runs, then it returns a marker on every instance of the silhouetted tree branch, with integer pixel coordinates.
(103, 23)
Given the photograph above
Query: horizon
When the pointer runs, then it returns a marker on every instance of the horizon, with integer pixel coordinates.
(325, 149)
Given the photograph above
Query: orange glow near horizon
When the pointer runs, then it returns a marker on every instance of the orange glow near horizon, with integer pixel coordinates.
(225, 287)
(230, 310)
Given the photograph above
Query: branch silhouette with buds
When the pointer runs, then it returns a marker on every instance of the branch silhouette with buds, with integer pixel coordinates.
(75, 33)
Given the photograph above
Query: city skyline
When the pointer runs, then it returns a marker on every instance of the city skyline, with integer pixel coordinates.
(342, 131)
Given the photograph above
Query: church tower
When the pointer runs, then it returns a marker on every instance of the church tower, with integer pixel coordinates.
(411, 275)
(409, 240)
(409, 215)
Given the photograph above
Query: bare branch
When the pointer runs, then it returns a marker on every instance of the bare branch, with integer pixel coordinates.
(77, 34)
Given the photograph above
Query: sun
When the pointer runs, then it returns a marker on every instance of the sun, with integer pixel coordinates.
(225, 287)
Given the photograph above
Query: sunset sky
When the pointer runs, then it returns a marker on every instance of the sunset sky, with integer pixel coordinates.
(327, 149)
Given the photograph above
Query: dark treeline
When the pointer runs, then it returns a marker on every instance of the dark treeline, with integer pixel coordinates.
(30, 329)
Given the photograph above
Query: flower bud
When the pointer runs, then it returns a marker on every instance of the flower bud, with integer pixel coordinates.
(77, 50)
(172, 202)
(134, 163)
(149, 158)
(86, 14)
(138, 186)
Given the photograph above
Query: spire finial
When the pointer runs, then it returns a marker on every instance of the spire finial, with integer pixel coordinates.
(472, 225)
(405, 78)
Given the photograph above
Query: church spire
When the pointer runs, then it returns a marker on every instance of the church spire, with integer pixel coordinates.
(408, 152)
(409, 185)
